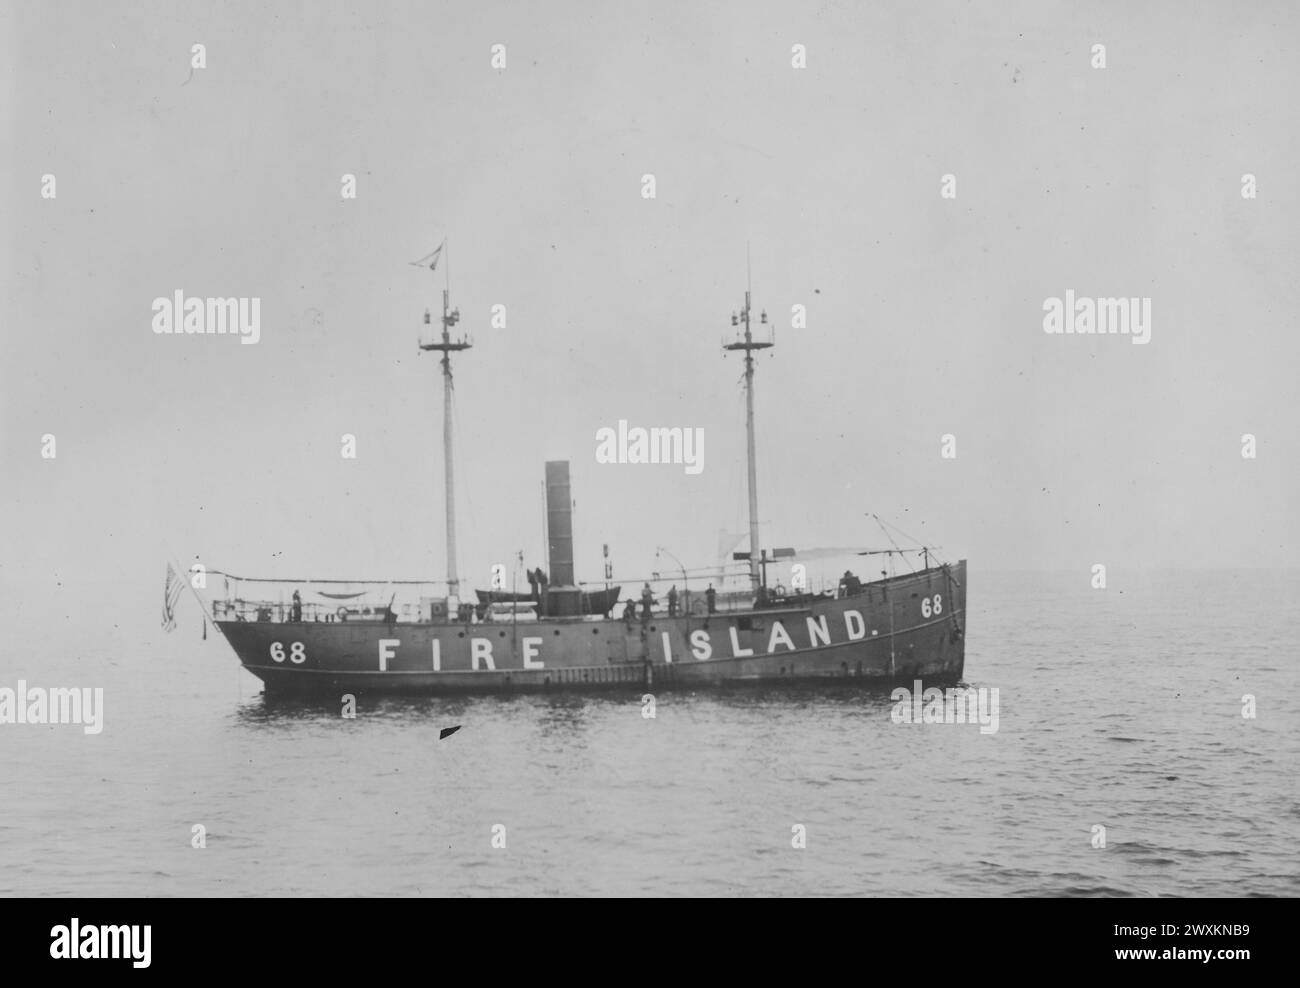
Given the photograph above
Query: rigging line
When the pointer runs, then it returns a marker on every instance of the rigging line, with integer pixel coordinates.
(906, 536)
(894, 544)
(276, 579)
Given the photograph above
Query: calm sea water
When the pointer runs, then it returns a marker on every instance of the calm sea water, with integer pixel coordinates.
(1121, 708)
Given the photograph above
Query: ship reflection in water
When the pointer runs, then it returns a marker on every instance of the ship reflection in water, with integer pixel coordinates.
(563, 710)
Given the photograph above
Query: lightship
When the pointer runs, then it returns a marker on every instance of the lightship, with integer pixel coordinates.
(563, 636)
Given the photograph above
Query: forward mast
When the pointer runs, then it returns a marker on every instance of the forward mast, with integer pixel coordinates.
(447, 346)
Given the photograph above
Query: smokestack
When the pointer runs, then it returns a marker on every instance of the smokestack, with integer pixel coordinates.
(559, 523)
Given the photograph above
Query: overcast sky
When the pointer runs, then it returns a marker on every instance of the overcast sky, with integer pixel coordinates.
(924, 314)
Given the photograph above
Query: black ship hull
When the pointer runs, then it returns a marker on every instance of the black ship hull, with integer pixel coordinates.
(900, 629)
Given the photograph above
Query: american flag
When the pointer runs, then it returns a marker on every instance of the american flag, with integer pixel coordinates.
(172, 590)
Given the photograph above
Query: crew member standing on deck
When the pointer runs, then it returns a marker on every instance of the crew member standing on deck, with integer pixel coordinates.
(629, 611)
(296, 610)
(711, 597)
(672, 600)
(647, 601)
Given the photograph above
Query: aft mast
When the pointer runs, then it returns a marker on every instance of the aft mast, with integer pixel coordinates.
(748, 344)
(447, 346)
